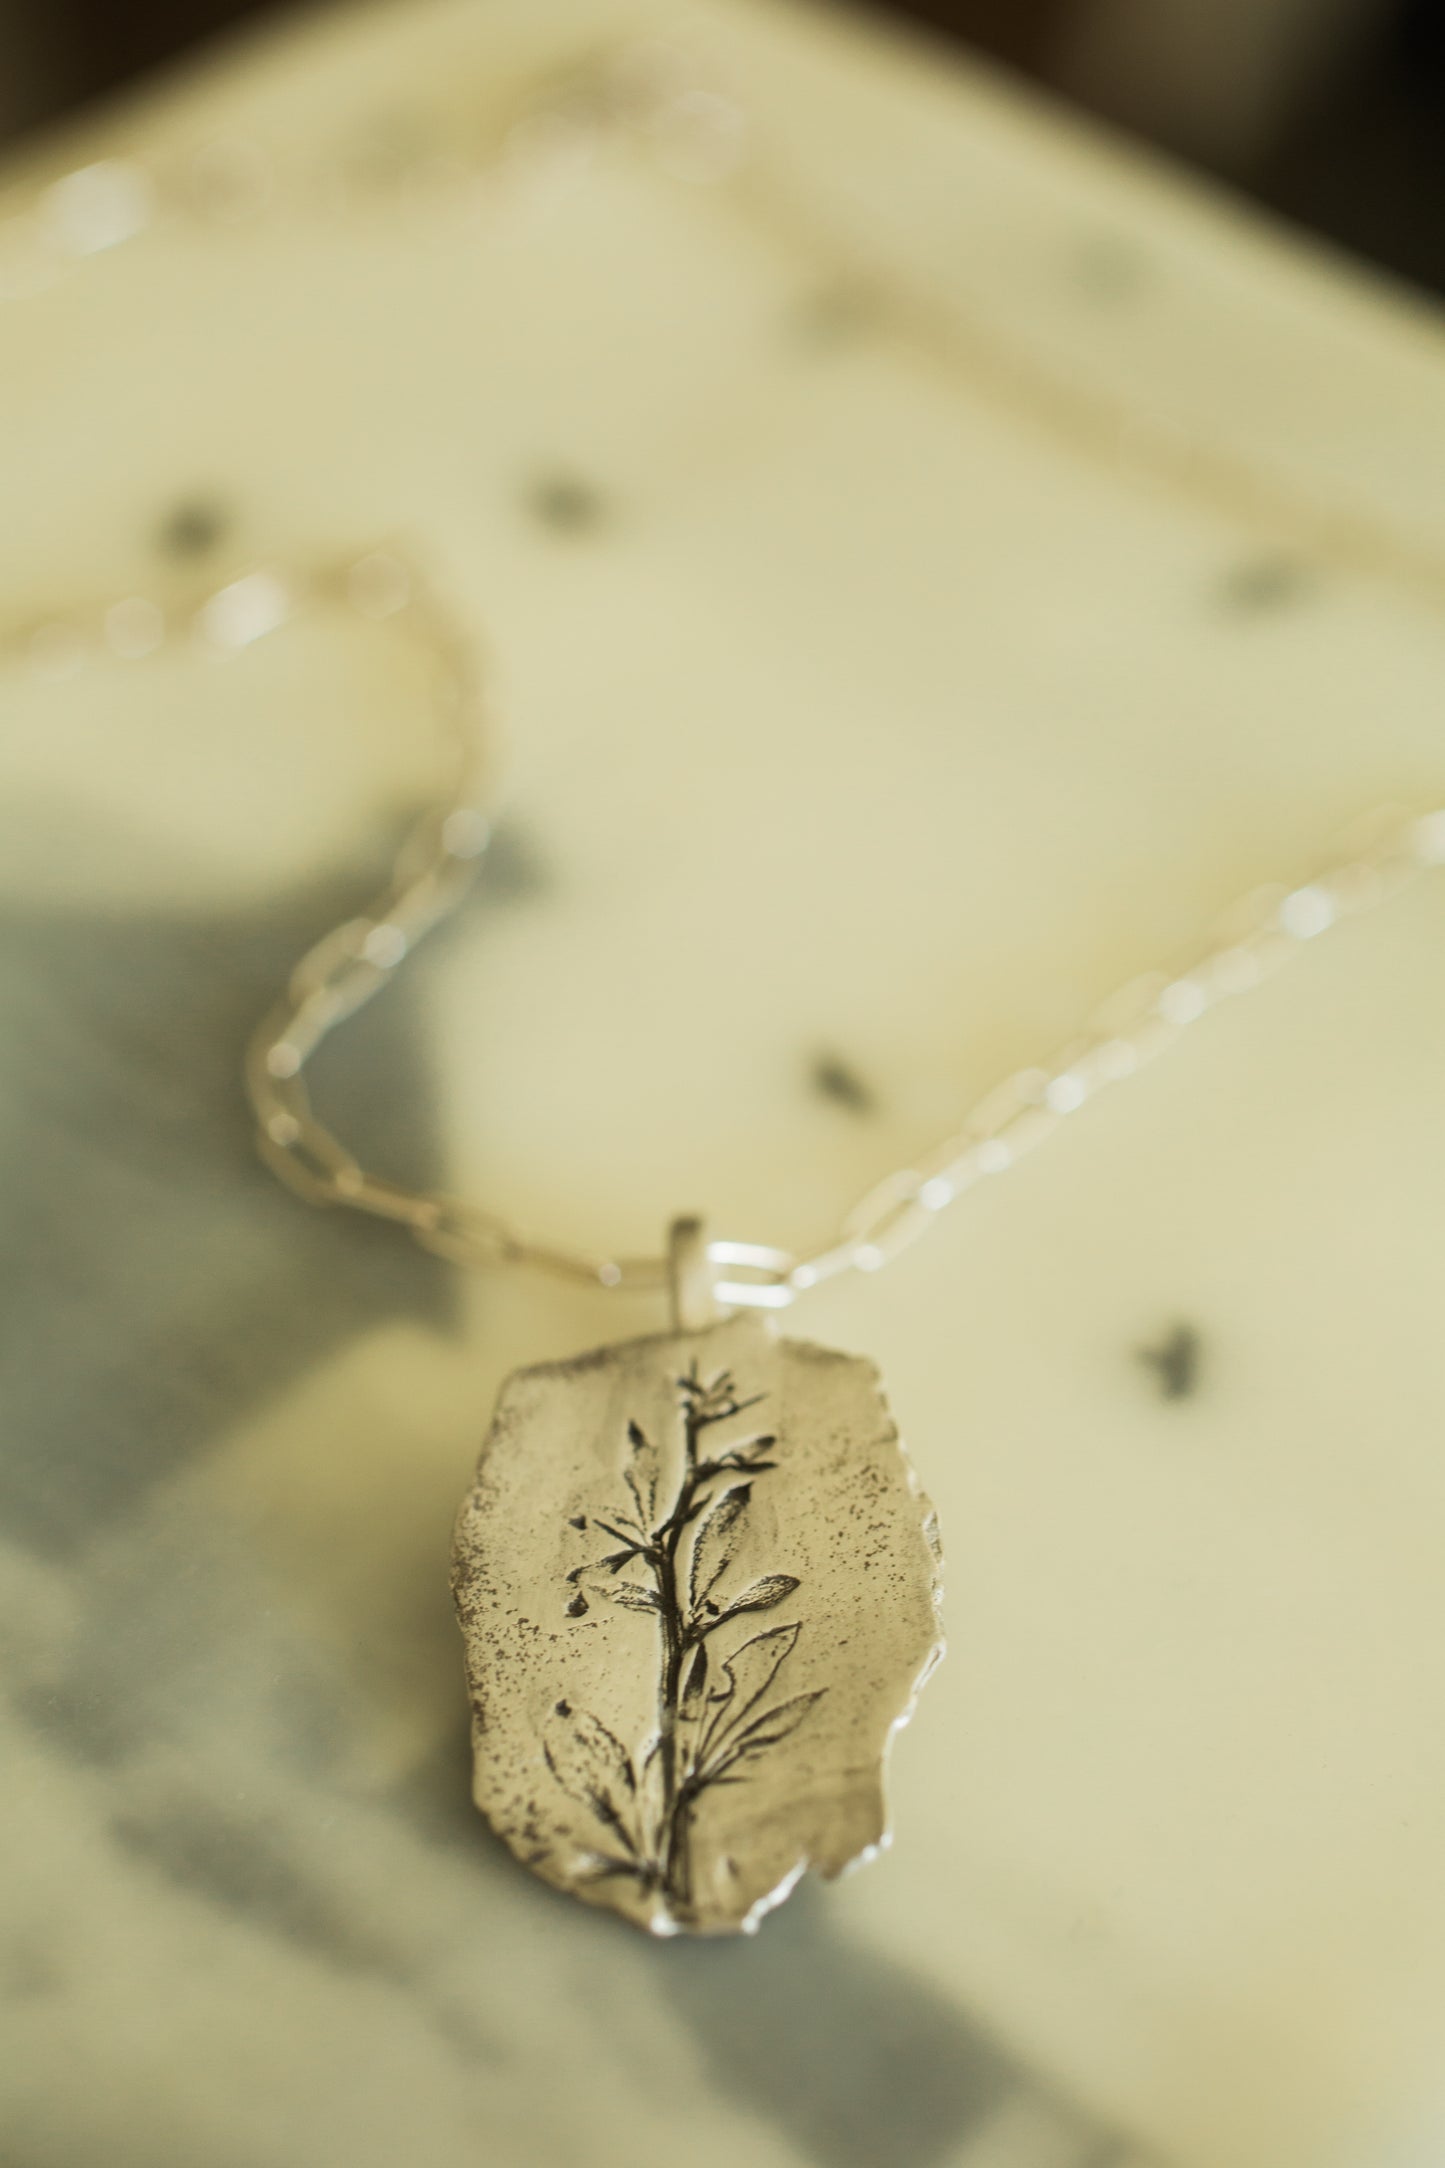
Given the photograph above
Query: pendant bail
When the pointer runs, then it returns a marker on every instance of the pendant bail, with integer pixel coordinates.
(692, 1280)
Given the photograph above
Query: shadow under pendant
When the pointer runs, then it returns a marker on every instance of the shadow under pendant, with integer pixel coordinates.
(699, 1590)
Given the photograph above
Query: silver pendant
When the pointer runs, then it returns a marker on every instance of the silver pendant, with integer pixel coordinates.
(699, 1590)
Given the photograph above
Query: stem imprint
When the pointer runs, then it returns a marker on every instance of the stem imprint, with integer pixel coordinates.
(715, 1712)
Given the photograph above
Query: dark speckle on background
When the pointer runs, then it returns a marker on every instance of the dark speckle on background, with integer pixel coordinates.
(566, 503)
(1175, 1362)
(833, 1078)
(835, 315)
(1258, 585)
(193, 527)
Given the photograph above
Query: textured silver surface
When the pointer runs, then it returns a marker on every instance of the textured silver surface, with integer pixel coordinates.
(699, 1589)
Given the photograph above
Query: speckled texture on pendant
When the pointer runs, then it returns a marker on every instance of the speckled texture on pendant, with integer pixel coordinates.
(699, 1589)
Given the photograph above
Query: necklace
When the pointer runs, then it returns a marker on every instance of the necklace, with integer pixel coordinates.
(697, 1581)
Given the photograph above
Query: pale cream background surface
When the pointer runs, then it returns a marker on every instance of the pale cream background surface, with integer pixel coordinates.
(871, 714)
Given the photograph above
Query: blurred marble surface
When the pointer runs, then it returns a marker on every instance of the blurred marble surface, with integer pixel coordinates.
(866, 728)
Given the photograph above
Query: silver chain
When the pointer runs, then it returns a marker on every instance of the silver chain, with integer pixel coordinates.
(437, 865)
(641, 95)
(439, 861)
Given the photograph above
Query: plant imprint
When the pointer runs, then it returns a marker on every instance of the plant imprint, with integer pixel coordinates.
(689, 1642)
(717, 1713)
